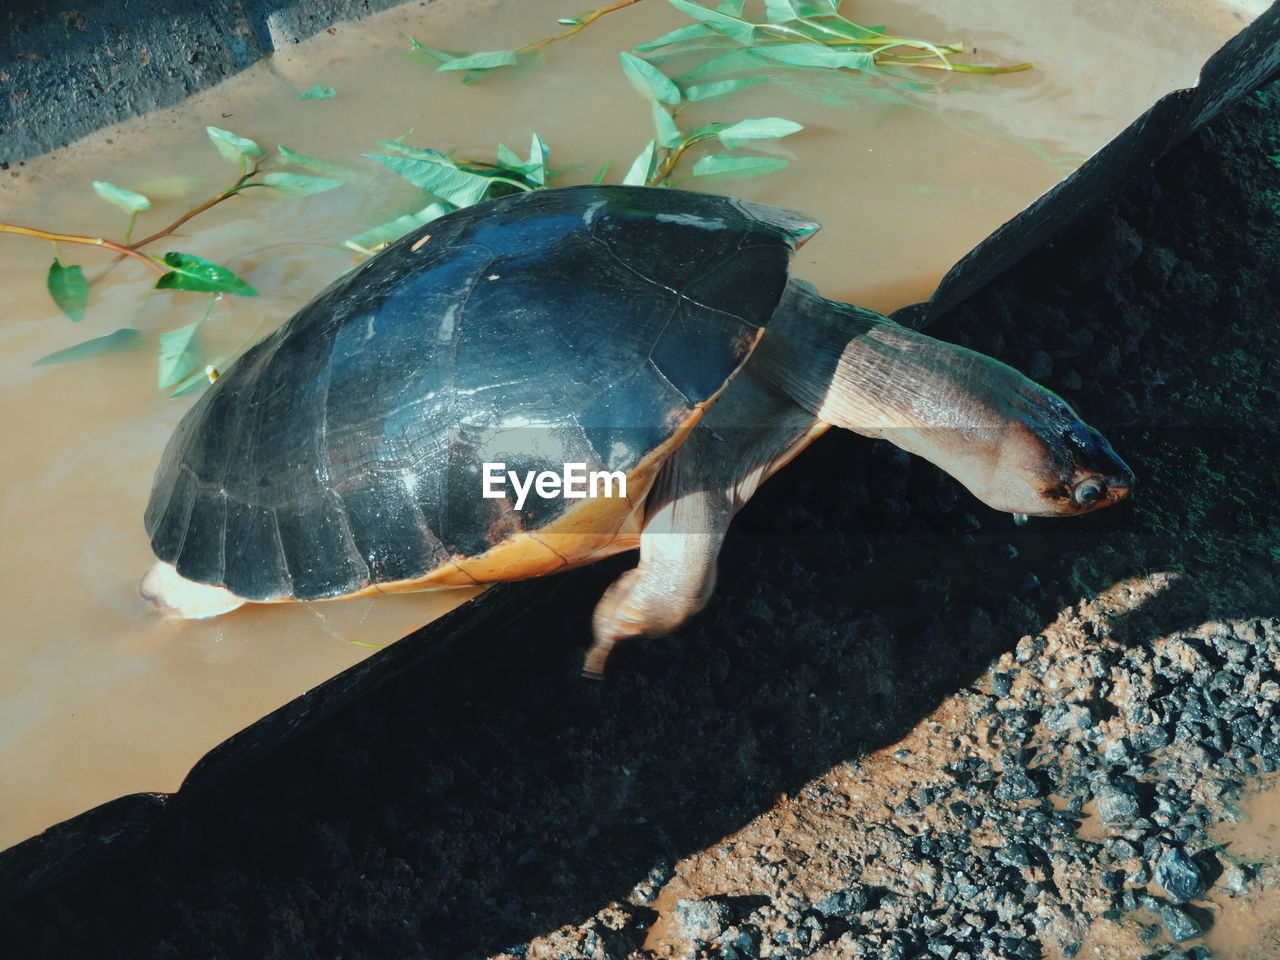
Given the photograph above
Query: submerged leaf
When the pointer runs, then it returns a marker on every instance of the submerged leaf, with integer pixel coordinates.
(189, 272)
(768, 128)
(816, 55)
(127, 200)
(201, 378)
(732, 8)
(718, 88)
(723, 165)
(69, 289)
(649, 80)
(397, 228)
(231, 146)
(123, 339)
(318, 93)
(669, 134)
(298, 184)
(447, 182)
(690, 31)
(733, 61)
(310, 163)
(398, 147)
(485, 60)
(444, 56)
(643, 166)
(724, 23)
(782, 11)
(179, 353)
(538, 154)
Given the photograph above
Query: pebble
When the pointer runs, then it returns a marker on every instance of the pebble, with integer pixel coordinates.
(701, 920)
(1179, 875)
(1116, 803)
(1180, 926)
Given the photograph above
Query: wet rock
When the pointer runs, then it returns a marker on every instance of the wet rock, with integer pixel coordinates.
(843, 903)
(1117, 802)
(1180, 926)
(739, 944)
(1179, 875)
(1016, 784)
(701, 920)
(1234, 879)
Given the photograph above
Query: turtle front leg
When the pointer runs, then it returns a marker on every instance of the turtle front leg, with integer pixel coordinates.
(677, 572)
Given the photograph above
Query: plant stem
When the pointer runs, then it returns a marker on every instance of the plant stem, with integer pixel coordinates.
(583, 20)
(213, 201)
(123, 251)
(673, 158)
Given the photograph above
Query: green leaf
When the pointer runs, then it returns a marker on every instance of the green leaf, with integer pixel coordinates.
(599, 177)
(819, 8)
(434, 155)
(127, 200)
(690, 31)
(508, 159)
(643, 166)
(299, 185)
(723, 165)
(734, 61)
(397, 228)
(538, 154)
(179, 353)
(189, 272)
(816, 55)
(569, 21)
(649, 80)
(233, 147)
(768, 128)
(731, 8)
(447, 182)
(781, 11)
(123, 339)
(485, 60)
(69, 289)
(730, 26)
(444, 56)
(669, 134)
(318, 93)
(718, 88)
(311, 163)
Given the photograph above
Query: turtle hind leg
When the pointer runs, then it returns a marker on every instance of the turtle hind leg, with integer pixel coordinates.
(175, 596)
(684, 527)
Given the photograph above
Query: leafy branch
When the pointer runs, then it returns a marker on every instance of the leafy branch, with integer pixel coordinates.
(179, 349)
(793, 33)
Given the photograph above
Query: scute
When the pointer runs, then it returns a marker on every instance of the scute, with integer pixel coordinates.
(583, 325)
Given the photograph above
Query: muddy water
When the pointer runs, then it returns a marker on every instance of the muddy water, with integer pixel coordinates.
(1248, 927)
(97, 696)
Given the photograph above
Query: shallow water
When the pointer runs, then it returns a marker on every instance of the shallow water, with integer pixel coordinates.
(98, 697)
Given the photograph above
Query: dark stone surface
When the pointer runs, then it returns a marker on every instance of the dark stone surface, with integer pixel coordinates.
(68, 67)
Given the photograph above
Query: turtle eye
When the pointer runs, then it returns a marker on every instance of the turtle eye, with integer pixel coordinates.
(1088, 492)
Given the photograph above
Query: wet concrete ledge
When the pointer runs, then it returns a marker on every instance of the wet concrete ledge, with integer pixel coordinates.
(69, 67)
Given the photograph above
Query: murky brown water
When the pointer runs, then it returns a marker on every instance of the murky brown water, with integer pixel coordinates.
(97, 696)
(1248, 927)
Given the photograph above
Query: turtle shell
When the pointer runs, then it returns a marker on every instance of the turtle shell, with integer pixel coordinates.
(344, 453)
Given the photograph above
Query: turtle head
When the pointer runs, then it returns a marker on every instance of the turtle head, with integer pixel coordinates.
(1049, 462)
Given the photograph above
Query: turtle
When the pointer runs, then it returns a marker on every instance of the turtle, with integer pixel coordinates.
(396, 433)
